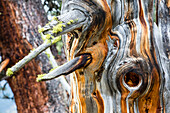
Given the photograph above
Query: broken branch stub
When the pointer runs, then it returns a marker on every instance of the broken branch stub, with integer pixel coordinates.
(69, 21)
(30, 56)
(69, 67)
(4, 64)
(61, 79)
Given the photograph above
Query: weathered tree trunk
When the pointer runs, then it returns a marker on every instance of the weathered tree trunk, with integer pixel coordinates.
(116, 53)
(127, 70)
(163, 21)
(19, 22)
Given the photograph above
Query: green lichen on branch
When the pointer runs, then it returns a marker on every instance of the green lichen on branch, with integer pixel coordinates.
(9, 72)
(48, 36)
(58, 28)
(40, 30)
(68, 23)
(31, 51)
(48, 41)
(55, 40)
(55, 18)
(53, 69)
(39, 78)
(71, 21)
(43, 38)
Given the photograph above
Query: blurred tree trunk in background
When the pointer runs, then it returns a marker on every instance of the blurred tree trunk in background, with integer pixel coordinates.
(19, 20)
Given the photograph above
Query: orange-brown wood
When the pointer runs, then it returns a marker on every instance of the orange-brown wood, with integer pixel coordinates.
(4, 64)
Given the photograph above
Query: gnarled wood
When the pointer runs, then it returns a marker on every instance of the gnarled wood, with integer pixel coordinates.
(131, 78)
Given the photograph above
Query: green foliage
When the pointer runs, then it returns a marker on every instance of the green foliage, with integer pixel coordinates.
(52, 7)
(59, 46)
(56, 39)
